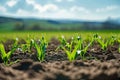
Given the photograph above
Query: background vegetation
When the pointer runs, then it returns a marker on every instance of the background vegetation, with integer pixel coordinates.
(31, 24)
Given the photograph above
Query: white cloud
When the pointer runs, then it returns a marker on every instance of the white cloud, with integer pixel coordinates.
(3, 9)
(63, 13)
(64, 0)
(32, 2)
(22, 12)
(60, 14)
(106, 9)
(50, 7)
(58, 0)
(11, 3)
(42, 8)
(70, 0)
(45, 8)
(79, 9)
(53, 11)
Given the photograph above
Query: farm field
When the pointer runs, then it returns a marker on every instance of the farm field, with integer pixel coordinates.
(56, 34)
(56, 55)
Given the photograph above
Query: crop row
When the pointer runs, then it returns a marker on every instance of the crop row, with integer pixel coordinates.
(76, 47)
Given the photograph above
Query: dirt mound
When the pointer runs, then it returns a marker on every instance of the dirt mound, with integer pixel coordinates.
(62, 70)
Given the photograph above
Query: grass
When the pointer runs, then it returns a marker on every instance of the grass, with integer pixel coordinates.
(5, 26)
(50, 34)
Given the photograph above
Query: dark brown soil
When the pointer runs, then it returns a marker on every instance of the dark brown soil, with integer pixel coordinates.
(100, 65)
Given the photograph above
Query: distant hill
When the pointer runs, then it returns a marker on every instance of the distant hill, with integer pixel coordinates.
(8, 19)
(9, 23)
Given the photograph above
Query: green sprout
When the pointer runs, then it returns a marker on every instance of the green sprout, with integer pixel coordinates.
(62, 41)
(27, 46)
(71, 54)
(78, 49)
(7, 55)
(104, 44)
(41, 48)
(82, 50)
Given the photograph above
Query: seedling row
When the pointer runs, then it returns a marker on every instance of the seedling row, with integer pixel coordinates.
(73, 48)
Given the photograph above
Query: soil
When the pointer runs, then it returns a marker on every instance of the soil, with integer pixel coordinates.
(100, 64)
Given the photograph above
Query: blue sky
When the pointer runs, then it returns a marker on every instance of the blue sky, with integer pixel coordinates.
(61, 9)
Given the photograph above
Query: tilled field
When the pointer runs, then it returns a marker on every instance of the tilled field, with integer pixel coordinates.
(100, 65)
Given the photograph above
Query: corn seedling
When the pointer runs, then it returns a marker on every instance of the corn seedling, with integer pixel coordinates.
(62, 41)
(71, 54)
(83, 49)
(79, 49)
(27, 46)
(6, 56)
(104, 44)
(41, 48)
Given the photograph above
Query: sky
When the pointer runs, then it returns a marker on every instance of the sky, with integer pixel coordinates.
(61, 9)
